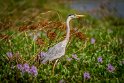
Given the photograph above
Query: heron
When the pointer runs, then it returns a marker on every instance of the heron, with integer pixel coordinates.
(58, 50)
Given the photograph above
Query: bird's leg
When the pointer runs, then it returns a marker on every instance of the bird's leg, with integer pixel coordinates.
(54, 66)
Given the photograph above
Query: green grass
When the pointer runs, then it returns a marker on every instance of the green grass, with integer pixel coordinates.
(109, 45)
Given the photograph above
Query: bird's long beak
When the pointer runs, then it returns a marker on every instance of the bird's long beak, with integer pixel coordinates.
(78, 16)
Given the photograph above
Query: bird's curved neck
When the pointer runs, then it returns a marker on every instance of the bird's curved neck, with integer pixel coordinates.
(67, 29)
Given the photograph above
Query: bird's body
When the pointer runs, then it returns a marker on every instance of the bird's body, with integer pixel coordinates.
(55, 52)
(58, 50)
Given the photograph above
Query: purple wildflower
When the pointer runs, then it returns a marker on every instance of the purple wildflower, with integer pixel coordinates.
(93, 40)
(75, 57)
(86, 75)
(69, 59)
(9, 54)
(99, 59)
(26, 67)
(33, 71)
(20, 67)
(42, 54)
(110, 68)
(34, 36)
(62, 81)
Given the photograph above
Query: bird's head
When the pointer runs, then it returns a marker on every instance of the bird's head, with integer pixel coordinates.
(71, 16)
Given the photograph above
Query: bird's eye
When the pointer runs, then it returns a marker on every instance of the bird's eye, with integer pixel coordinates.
(71, 15)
